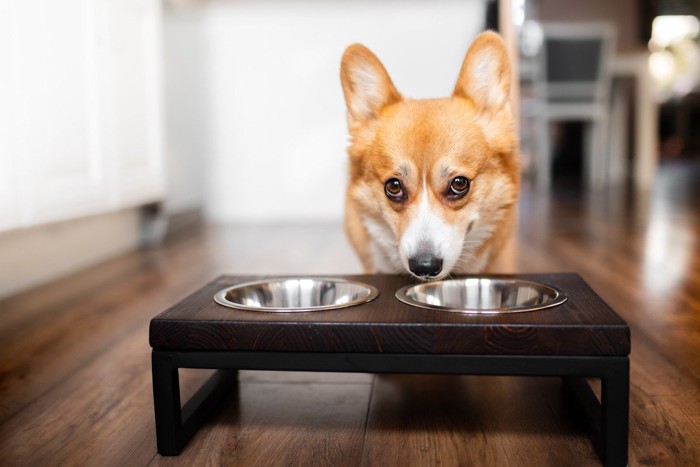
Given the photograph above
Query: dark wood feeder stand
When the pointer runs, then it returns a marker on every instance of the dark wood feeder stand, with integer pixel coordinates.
(582, 338)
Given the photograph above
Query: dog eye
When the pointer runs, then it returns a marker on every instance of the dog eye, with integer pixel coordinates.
(458, 187)
(394, 189)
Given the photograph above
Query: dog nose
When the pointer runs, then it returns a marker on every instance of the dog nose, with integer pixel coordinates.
(425, 265)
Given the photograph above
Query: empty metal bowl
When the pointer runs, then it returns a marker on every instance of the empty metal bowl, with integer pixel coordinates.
(298, 294)
(482, 295)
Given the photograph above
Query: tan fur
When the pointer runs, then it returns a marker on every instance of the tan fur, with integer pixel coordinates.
(432, 140)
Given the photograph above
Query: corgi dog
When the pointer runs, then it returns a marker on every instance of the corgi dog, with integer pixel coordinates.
(433, 183)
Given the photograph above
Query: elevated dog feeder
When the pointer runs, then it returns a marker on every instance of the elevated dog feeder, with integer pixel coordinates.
(346, 326)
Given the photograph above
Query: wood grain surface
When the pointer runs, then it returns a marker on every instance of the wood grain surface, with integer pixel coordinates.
(75, 359)
(583, 325)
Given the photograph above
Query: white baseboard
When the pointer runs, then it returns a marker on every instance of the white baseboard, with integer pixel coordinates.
(34, 256)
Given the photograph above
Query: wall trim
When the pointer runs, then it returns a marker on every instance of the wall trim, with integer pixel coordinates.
(33, 256)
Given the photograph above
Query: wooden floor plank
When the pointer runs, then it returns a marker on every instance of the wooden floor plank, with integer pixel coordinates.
(664, 412)
(59, 343)
(283, 424)
(28, 308)
(99, 416)
(303, 377)
(451, 420)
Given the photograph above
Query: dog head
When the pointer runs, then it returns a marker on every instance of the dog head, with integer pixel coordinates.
(432, 178)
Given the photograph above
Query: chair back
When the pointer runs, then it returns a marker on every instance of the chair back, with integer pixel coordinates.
(575, 63)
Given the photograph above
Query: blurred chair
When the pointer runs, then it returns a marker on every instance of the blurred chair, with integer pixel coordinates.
(573, 84)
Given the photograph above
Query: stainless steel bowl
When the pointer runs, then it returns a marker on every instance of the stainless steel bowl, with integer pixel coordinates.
(482, 295)
(297, 294)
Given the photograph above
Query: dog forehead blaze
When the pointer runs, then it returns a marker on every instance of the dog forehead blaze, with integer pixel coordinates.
(437, 137)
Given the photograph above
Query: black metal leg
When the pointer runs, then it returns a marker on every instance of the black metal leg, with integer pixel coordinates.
(609, 418)
(615, 415)
(166, 401)
(583, 395)
(174, 425)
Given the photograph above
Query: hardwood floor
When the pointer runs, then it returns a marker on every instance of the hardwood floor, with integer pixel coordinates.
(75, 370)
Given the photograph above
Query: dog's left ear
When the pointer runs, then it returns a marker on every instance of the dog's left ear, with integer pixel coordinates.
(485, 75)
(485, 81)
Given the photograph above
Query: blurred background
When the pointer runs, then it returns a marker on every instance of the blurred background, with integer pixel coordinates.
(122, 121)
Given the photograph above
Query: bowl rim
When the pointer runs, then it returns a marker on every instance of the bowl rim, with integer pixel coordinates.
(559, 296)
(220, 296)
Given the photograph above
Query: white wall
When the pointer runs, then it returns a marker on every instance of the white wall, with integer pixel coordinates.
(275, 118)
(185, 108)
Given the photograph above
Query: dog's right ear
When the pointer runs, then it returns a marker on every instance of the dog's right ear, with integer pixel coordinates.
(366, 85)
(485, 75)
